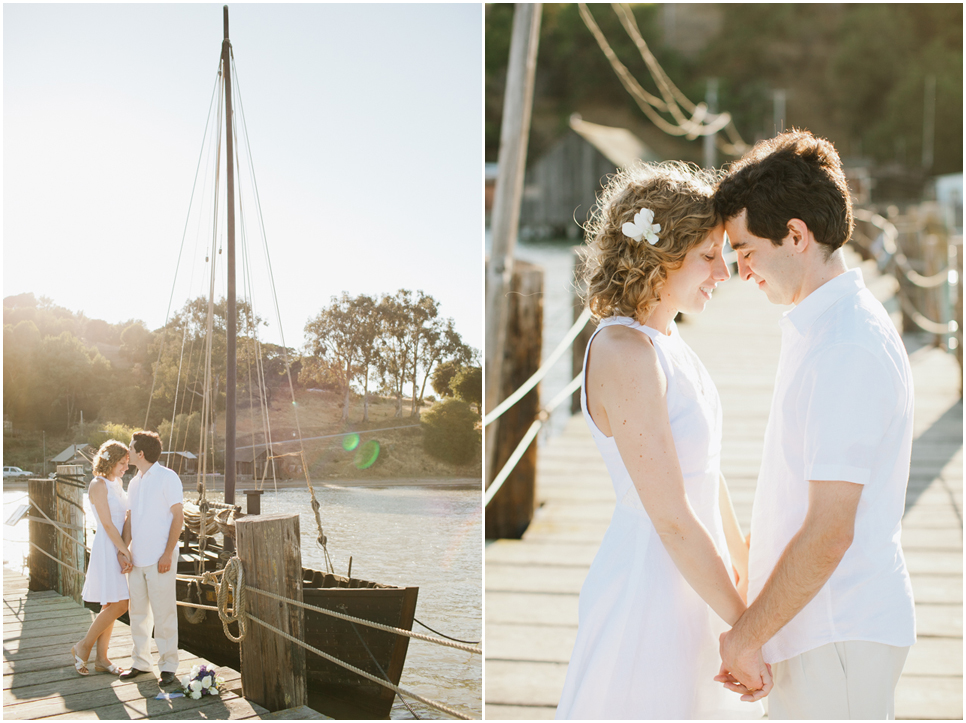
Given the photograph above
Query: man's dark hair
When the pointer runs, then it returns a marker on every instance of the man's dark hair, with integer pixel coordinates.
(793, 175)
(149, 443)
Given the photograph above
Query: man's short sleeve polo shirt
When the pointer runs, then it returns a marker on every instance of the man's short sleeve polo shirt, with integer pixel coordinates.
(842, 411)
(151, 497)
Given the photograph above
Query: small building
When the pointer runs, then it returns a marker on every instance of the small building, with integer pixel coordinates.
(78, 454)
(180, 462)
(561, 187)
(250, 462)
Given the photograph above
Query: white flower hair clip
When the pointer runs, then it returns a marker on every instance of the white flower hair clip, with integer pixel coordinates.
(643, 228)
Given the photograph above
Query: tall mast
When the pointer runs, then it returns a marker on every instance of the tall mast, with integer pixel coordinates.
(231, 375)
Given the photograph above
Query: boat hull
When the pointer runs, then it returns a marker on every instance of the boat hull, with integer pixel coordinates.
(332, 689)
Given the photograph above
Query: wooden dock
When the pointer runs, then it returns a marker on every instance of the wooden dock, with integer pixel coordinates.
(532, 585)
(40, 682)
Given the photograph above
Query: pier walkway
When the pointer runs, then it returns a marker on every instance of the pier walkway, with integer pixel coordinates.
(40, 682)
(532, 585)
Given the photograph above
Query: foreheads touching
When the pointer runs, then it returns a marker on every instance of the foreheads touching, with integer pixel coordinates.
(791, 176)
(148, 444)
(625, 272)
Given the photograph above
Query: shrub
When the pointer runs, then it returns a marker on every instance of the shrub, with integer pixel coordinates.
(449, 432)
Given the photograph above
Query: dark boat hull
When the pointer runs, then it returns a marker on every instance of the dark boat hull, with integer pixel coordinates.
(332, 689)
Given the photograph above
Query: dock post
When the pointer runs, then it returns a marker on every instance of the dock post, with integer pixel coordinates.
(272, 668)
(511, 510)
(70, 513)
(43, 570)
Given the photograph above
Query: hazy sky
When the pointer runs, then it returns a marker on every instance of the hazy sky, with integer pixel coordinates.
(365, 125)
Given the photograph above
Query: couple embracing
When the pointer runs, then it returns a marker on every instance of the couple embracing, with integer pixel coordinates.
(133, 557)
(681, 616)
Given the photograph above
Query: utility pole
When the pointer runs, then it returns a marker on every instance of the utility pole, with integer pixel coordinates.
(514, 132)
(711, 100)
(778, 110)
(929, 123)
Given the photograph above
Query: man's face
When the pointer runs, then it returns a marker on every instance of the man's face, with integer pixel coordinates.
(777, 270)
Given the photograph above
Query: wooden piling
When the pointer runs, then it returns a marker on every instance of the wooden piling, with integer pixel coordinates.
(272, 667)
(511, 510)
(70, 513)
(43, 570)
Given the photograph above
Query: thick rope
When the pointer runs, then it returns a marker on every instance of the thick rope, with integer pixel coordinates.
(369, 623)
(232, 577)
(57, 526)
(59, 562)
(401, 691)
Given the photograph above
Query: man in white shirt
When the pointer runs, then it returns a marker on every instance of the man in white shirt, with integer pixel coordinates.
(831, 604)
(152, 529)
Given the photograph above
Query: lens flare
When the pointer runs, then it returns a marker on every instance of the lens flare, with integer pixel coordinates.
(367, 454)
(350, 442)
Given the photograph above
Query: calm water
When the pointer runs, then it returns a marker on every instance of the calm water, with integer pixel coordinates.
(424, 536)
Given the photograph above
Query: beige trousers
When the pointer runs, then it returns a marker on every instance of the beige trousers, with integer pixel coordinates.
(154, 604)
(851, 680)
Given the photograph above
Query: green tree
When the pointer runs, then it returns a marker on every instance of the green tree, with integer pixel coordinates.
(467, 386)
(442, 376)
(450, 433)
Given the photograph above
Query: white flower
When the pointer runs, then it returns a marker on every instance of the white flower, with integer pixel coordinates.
(194, 695)
(219, 681)
(195, 686)
(643, 227)
(213, 691)
(184, 681)
(194, 671)
(206, 682)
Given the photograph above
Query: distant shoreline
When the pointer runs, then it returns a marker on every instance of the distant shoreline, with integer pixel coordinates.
(217, 484)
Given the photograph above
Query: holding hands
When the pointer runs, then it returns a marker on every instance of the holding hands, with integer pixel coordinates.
(124, 559)
(743, 670)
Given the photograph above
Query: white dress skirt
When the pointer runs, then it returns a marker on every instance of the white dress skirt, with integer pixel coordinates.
(105, 582)
(647, 643)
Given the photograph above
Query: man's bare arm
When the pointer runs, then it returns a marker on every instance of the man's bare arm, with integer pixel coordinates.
(805, 566)
(164, 564)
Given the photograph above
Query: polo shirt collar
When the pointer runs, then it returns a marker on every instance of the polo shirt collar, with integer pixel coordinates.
(823, 298)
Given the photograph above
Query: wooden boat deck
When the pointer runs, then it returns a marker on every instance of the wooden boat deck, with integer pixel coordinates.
(532, 584)
(39, 682)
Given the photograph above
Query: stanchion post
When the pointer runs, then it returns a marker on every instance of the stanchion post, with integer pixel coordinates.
(42, 570)
(272, 668)
(70, 513)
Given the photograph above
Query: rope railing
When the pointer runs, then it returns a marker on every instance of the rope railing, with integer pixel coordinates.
(890, 235)
(542, 416)
(530, 383)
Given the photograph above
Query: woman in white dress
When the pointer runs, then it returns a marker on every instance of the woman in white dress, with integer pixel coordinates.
(671, 572)
(106, 583)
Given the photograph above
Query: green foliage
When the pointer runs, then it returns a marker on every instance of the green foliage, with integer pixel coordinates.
(120, 432)
(854, 73)
(185, 436)
(442, 377)
(467, 385)
(449, 432)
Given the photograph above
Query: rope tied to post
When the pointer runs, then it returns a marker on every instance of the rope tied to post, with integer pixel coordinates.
(231, 577)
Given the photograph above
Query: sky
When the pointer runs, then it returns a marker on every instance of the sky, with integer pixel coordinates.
(365, 129)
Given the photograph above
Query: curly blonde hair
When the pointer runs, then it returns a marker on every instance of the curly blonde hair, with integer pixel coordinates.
(107, 457)
(624, 277)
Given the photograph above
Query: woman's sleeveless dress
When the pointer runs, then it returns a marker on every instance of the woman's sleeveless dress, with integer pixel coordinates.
(105, 582)
(647, 644)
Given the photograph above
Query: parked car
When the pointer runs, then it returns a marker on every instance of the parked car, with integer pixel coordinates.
(15, 473)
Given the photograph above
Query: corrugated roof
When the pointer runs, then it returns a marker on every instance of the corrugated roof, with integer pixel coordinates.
(618, 145)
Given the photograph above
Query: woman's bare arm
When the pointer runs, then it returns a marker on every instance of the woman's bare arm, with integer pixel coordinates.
(98, 497)
(627, 382)
(737, 543)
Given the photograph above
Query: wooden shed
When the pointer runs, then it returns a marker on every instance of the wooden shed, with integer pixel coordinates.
(561, 187)
(180, 462)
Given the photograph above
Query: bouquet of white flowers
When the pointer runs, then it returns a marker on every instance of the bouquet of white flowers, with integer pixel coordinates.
(201, 681)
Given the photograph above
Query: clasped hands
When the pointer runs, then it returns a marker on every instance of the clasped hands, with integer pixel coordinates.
(743, 670)
(124, 558)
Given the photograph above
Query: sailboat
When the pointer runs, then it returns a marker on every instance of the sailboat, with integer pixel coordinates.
(332, 689)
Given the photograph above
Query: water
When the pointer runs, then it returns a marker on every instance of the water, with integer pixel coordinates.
(425, 536)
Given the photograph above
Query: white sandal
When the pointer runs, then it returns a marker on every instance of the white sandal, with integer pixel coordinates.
(80, 665)
(112, 668)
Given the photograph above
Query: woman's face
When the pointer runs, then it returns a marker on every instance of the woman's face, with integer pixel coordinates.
(689, 288)
(121, 467)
